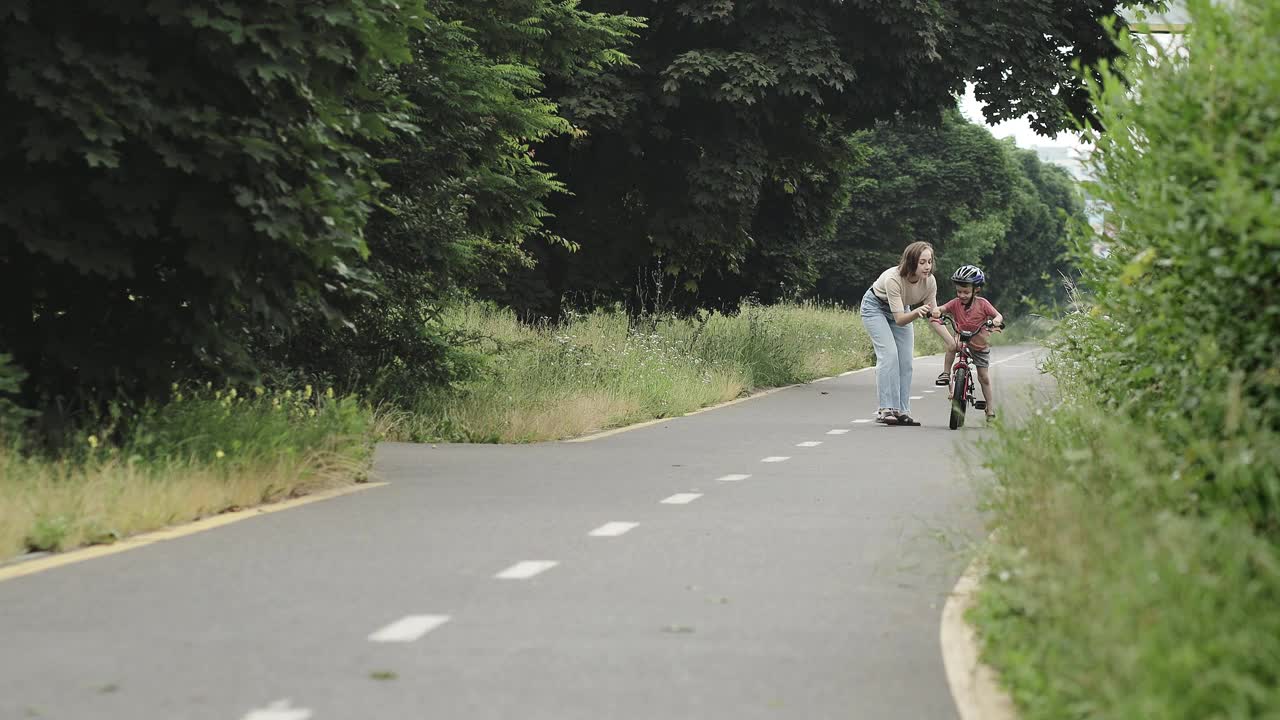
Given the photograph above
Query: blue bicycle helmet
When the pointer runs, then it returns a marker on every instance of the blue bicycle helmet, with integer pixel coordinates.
(969, 275)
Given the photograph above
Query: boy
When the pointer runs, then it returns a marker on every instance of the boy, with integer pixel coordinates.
(970, 312)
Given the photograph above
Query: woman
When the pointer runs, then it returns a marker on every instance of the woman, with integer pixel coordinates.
(887, 316)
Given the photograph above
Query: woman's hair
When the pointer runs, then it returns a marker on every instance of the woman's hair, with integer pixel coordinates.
(911, 257)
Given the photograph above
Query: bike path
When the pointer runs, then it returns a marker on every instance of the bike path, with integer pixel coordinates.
(811, 588)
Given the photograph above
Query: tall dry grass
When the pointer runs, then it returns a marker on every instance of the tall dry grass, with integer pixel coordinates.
(600, 370)
(205, 454)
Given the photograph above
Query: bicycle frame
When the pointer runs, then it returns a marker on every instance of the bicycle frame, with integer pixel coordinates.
(964, 375)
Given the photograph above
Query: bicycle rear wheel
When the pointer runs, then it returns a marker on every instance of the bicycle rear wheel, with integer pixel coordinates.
(959, 393)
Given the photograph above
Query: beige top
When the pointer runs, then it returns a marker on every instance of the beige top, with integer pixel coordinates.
(902, 294)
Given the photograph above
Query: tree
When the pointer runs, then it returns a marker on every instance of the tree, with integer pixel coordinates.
(736, 113)
(949, 185)
(180, 171)
(1029, 264)
(464, 191)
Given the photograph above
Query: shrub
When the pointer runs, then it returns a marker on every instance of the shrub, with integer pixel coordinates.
(175, 171)
(1186, 329)
(1139, 576)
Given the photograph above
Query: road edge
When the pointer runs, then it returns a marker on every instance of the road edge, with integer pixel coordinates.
(975, 686)
(19, 567)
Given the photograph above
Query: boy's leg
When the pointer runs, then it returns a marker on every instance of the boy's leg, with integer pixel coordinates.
(984, 379)
(948, 342)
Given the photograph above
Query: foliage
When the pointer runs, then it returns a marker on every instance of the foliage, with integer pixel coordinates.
(179, 171)
(1187, 314)
(1030, 264)
(734, 121)
(550, 381)
(1160, 523)
(205, 452)
(948, 184)
(1113, 593)
(464, 191)
(12, 415)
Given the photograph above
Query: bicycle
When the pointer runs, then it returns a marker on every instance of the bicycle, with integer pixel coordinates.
(964, 374)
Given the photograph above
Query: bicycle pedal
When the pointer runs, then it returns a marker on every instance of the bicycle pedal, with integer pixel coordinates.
(980, 404)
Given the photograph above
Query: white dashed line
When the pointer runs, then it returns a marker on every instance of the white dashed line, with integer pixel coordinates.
(613, 529)
(279, 710)
(809, 443)
(917, 397)
(859, 421)
(408, 629)
(776, 458)
(731, 478)
(526, 569)
(838, 431)
(681, 498)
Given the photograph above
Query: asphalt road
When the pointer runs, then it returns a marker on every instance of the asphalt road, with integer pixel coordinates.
(718, 585)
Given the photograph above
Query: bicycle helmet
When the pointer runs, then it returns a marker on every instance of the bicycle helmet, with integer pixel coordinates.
(969, 275)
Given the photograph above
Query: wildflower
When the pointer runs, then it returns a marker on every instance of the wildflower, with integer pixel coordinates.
(306, 392)
(231, 393)
(259, 390)
(328, 392)
(219, 454)
(93, 441)
(311, 412)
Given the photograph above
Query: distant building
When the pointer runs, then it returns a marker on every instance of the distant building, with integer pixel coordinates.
(1065, 156)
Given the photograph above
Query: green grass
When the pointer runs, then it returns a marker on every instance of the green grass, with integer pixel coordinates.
(206, 453)
(1115, 589)
(597, 371)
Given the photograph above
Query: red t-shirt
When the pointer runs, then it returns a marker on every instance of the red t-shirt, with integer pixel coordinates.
(971, 318)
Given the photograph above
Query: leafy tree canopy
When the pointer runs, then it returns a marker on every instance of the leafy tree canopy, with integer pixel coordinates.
(731, 125)
(177, 171)
(464, 191)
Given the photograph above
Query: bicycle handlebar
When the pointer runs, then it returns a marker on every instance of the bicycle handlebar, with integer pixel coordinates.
(948, 319)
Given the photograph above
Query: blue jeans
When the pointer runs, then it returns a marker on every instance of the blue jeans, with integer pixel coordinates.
(895, 350)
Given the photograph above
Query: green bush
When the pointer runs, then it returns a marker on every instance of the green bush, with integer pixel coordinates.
(177, 171)
(1140, 577)
(245, 426)
(1186, 329)
(12, 415)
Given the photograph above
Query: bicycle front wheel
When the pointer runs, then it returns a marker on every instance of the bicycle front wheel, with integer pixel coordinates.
(959, 391)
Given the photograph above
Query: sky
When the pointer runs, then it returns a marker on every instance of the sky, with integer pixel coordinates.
(1019, 129)
(1021, 132)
